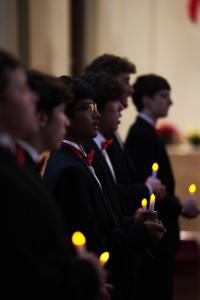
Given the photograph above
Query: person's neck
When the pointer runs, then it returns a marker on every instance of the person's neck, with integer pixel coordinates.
(149, 114)
(36, 143)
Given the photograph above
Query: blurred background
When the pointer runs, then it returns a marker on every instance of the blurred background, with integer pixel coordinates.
(159, 36)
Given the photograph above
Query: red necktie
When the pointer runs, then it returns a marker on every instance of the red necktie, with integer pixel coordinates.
(106, 144)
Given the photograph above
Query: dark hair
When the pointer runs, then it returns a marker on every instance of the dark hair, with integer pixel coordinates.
(51, 91)
(147, 85)
(7, 63)
(106, 88)
(80, 90)
(111, 64)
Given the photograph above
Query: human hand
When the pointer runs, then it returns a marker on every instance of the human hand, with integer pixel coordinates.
(190, 209)
(155, 229)
(156, 186)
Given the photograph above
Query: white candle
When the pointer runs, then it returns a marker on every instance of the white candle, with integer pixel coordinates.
(144, 203)
(155, 168)
(79, 242)
(192, 190)
(152, 202)
(104, 257)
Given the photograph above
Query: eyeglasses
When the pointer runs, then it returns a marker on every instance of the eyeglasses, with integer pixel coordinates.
(91, 107)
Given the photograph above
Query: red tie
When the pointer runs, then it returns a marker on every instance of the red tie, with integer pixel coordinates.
(106, 144)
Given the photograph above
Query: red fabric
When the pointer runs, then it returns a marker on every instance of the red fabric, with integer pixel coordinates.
(193, 6)
(20, 156)
(73, 149)
(107, 143)
(90, 157)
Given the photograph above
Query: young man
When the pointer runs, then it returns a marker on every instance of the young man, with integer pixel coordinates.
(33, 258)
(152, 99)
(120, 69)
(80, 194)
(117, 67)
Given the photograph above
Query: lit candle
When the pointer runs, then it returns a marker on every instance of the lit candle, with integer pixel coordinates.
(152, 202)
(79, 242)
(144, 203)
(155, 168)
(192, 190)
(104, 257)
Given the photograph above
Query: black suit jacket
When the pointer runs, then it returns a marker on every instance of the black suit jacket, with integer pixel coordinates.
(145, 148)
(32, 246)
(85, 207)
(130, 189)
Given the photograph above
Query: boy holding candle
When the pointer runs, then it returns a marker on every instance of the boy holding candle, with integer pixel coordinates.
(86, 207)
(151, 96)
(33, 258)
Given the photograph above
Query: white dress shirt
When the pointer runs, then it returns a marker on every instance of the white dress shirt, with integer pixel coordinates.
(99, 139)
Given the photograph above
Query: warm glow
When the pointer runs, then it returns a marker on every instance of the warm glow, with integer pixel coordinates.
(155, 167)
(144, 202)
(104, 257)
(152, 198)
(78, 239)
(192, 188)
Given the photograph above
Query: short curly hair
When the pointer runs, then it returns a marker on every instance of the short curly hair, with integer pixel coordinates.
(111, 64)
(106, 88)
(51, 91)
(147, 85)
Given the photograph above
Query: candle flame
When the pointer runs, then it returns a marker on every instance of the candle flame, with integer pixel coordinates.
(104, 257)
(152, 198)
(78, 239)
(144, 202)
(192, 188)
(155, 167)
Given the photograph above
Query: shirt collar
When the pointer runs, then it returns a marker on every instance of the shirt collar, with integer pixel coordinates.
(30, 150)
(7, 142)
(147, 119)
(99, 139)
(75, 145)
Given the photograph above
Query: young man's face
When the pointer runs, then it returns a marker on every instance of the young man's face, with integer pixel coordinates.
(110, 116)
(17, 110)
(85, 121)
(124, 79)
(56, 128)
(159, 104)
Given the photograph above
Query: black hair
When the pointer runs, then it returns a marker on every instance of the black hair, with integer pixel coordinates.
(106, 88)
(80, 90)
(52, 92)
(7, 63)
(147, 85)
(111, 64)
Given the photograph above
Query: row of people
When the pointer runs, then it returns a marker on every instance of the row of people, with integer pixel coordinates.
(90, 184)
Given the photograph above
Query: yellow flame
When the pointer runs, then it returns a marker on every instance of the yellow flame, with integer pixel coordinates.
(152, 198)
(78, 239)
(104, 257)
(192, 188)
(155, 167)
(144, 202)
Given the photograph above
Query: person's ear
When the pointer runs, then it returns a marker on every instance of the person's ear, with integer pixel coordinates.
(146, 101)
(43, 119)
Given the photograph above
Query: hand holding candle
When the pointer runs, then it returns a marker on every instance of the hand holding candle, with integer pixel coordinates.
(79, 241)
(155, 168)
(152, 202)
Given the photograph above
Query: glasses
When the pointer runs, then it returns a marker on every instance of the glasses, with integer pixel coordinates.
(91, 107)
